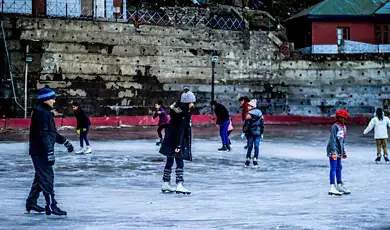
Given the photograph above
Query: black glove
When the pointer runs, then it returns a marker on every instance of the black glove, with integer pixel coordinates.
(69, 146)
(51, 158)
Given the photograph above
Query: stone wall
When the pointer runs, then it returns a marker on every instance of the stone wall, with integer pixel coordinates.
(116, 68)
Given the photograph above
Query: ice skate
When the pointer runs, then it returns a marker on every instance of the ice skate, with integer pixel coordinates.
(181, 190)
(228, 148)
(34, 207)
(53, 209)
(167, 188)
(255, 164)
(378, 159)
(88, 150)
(341, 188)
(80, 151)
(333, 191)
(247, 162)
(159, 142)
(386, 159)
(223, 149)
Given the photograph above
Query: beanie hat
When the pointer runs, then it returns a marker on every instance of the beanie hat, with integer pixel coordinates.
(46, 94)
(342, 113)
(253, 103)
(188, 97)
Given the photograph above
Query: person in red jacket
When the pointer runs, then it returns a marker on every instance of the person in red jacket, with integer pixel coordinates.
(244, 105)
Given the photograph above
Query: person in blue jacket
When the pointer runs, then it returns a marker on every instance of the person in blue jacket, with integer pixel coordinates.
(43, 136)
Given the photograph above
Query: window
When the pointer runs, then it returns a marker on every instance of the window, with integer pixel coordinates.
(342, 34)
(382, 34)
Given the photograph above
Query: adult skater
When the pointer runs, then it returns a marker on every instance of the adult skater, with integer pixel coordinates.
(83, 124)
(253, 129)
(336, 151)
(43, 136)
(379, 123)
(223, 121)
(244, 105)
(163, 120)
(177, 142)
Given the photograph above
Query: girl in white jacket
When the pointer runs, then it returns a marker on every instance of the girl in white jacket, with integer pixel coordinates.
(379, 123)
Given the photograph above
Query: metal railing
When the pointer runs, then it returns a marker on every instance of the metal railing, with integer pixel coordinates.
(59, 9)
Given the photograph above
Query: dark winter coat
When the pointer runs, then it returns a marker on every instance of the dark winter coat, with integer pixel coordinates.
(244, 110)
(162, 115)
(82, 119)
(43, 132)
(335, 146)
(254, 123)
(222, 113)
(178, 133)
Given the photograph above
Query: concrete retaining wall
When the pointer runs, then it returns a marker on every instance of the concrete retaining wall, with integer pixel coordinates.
(116, 69)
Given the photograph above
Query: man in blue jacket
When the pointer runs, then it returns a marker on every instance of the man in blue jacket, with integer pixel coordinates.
(43, 136)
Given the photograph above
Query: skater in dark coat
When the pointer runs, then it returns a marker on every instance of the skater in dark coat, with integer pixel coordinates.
(253, 129)
(163, 120)
(43, 136)
(177, 142)
(335, 152)
(83, 125)
(223, 122)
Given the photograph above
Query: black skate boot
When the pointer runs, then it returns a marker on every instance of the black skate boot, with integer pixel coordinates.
(34, 207)
(247, 162)
(159, 142)
(223, 149)
(228, 148)
(255, 162)
(378, 159)
(53, 209)
(386, 159)
(246, 147)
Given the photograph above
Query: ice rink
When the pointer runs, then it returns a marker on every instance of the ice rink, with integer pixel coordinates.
(118, 185)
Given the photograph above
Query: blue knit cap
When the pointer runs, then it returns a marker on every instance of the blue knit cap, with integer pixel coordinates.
(46, 94)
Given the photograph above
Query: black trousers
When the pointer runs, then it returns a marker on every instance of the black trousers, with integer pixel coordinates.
(43, 181)
(160, 128)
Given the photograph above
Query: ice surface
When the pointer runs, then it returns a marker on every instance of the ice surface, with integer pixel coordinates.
(118, 186)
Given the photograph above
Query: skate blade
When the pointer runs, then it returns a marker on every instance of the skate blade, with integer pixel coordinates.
(185, 193)
(333, 194)
(167, 191)
(34, 213)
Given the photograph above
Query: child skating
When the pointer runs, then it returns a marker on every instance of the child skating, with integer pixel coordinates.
(379, 123)
(176, 145)
(83, 124)
(253, 129)
(335, 152)
(163, 121)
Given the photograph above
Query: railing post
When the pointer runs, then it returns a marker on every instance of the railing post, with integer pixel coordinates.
(66, 9)
(2, 6)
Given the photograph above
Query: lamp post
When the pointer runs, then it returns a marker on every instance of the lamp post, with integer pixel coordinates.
(214, 59)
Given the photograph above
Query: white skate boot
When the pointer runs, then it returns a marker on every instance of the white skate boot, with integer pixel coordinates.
(88, 150)
(341, 188)
(334, 191)
(166, 187)
(80, 151)
(181, 190)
